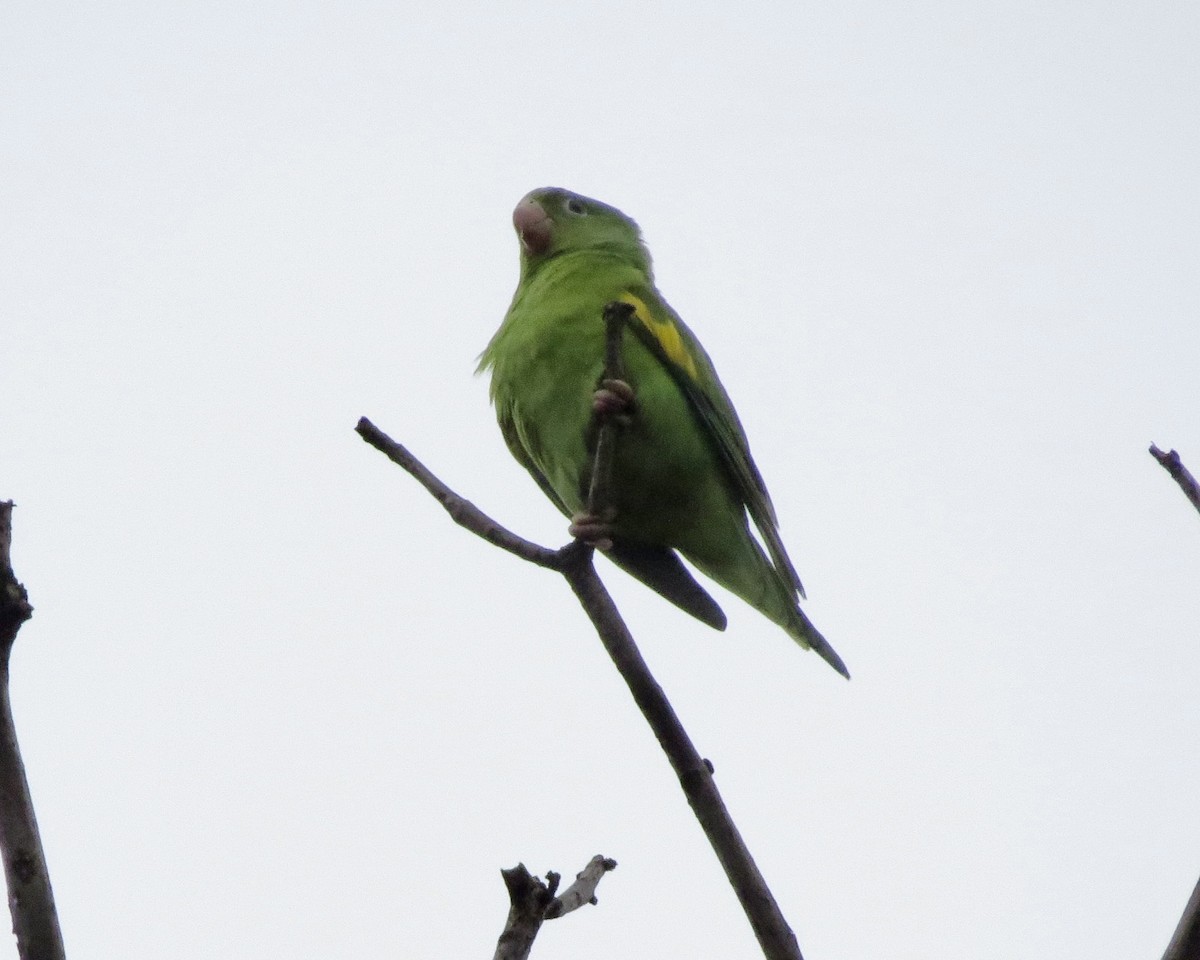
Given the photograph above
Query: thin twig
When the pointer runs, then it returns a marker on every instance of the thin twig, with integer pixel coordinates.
(462, 511)
(30, 897)
(1174, 466)
(616, 315)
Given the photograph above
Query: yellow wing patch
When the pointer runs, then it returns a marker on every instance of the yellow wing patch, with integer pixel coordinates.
(665, 332)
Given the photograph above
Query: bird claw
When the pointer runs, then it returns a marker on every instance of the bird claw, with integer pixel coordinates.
(593, 530)
(613, 398)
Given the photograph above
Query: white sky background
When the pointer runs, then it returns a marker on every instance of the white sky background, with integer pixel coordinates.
(273, 703)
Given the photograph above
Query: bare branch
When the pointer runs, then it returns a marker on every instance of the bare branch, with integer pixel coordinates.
(461, 511)
(1174, 466)
(531, 902)
(776, 938)
(30, 897)
(583, 890)
(1185, 944)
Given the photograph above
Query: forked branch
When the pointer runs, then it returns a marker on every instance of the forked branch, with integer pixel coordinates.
(533, 901)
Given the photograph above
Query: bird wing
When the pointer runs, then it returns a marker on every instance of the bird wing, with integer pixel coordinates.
(676, 347)
(515, 436)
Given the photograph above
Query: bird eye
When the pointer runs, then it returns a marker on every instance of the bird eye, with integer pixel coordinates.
(576, 206)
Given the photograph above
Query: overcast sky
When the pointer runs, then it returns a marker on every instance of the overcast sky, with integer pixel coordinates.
(273, 703)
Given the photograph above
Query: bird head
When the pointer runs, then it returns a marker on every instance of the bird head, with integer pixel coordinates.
(550, 221)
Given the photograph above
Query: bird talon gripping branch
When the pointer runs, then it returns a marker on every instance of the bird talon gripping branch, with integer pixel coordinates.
(614, 398)
(593, 529)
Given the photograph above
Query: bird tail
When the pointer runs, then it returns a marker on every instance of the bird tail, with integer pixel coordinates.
(753, 578)
(801, 629)
(661, 569)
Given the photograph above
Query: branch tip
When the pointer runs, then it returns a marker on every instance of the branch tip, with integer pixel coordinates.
(1172, 463)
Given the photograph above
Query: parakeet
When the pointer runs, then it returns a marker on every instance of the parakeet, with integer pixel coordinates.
(683, 480)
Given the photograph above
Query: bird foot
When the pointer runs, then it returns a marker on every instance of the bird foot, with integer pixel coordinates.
(613, 398)
(592, 529)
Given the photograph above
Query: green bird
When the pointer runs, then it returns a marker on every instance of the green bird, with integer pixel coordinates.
(683, 480)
